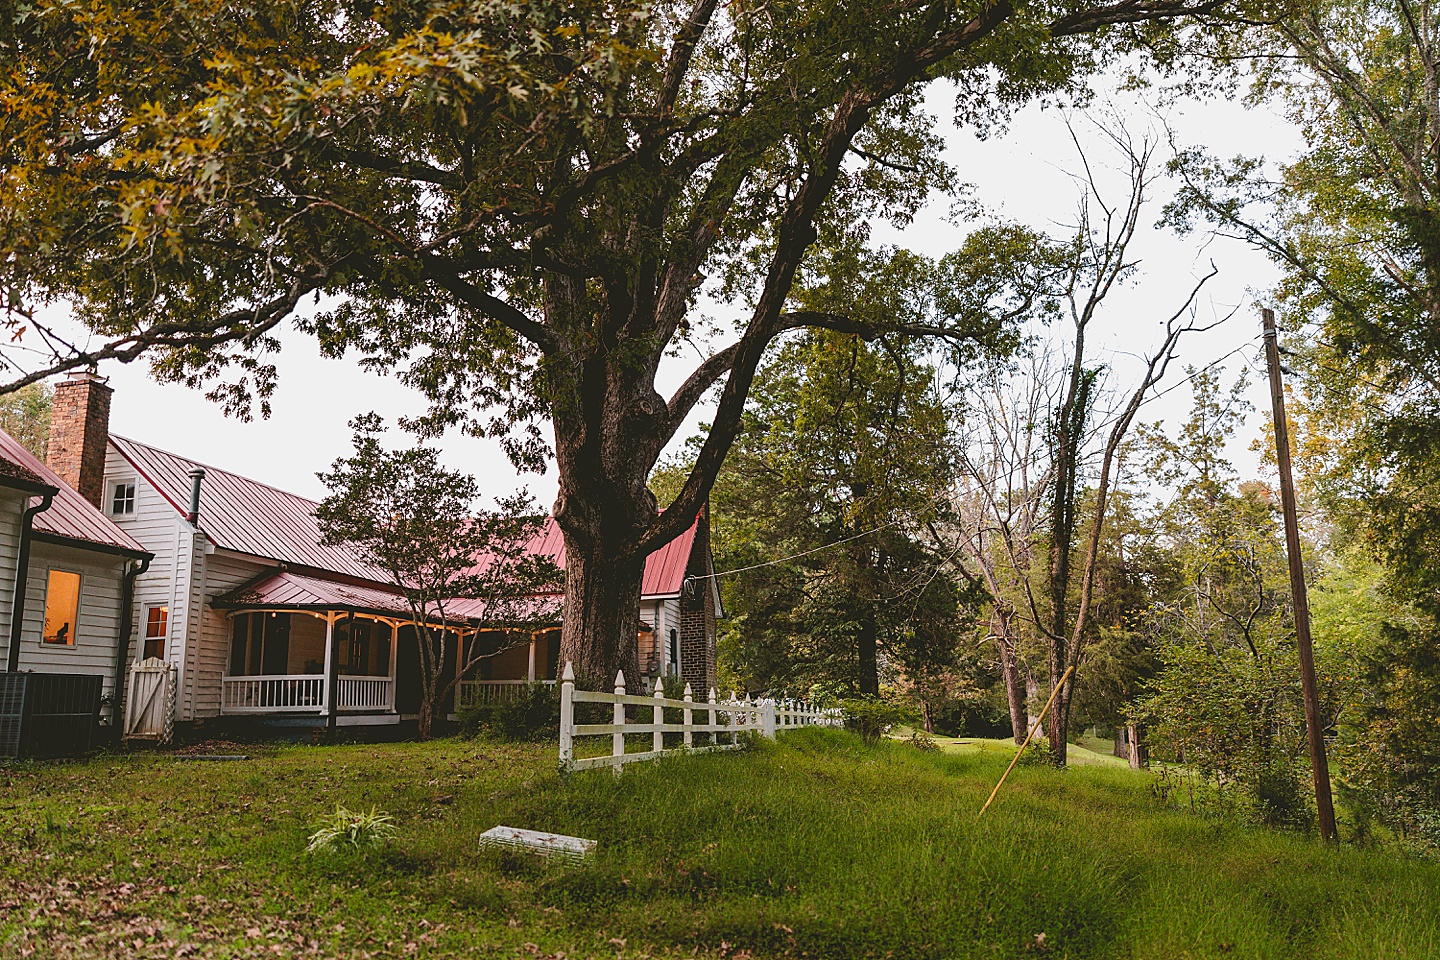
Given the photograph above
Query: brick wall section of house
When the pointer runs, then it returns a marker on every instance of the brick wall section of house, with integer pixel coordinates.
(79, 433)
(697, 616)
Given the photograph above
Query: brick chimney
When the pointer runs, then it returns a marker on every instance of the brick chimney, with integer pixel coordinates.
(79, 433)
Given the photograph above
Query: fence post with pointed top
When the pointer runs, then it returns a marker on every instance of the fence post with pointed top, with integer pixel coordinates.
(567, 717)
(714, 733)
(617, 739)
(659, 737)
(689, 729)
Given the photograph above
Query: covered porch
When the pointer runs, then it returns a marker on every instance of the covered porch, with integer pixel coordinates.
(503, 662)
(303, 662)
(306, 646)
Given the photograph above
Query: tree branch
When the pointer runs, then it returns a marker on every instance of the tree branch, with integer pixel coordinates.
(446, 275)
(205, 335)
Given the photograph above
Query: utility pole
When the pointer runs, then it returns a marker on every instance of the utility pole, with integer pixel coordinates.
(1319, 768)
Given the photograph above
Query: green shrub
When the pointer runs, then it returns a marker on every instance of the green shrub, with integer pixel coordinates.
(1037, 754)
(921, 740)
(529, 713)
(349, 831)
(872, 718)
(1239, 724)
(1388, 751)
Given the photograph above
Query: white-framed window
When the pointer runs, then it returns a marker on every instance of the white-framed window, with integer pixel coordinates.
(157, 628)
(62, 608)
(122, 499)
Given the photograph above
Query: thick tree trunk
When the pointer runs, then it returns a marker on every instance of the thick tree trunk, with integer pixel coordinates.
(1136, 750)
(1057, 721)
(1015, 692)
(429, 679)
(601, 619)
(867, 642)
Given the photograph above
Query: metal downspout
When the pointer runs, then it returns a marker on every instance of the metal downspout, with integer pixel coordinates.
(22, 580)
(127, 627)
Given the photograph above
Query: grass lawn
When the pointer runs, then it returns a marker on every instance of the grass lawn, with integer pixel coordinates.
(818, 846)
(1089, 752)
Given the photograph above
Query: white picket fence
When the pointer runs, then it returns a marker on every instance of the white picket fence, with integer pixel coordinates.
(723, 720)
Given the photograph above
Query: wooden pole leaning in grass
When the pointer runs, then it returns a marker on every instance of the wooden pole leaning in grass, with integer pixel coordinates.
(1314, 722)
(1038, 723)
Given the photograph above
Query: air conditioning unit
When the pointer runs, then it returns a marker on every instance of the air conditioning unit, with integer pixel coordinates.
(48, 715)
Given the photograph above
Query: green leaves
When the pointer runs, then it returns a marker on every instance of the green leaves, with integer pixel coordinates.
(1352, 223)
(352, 831)
(418, 521)
(840, 462)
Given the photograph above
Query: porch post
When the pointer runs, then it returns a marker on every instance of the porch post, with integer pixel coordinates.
(332, 679)
(394, 652)
(326, 699)
(532, 656)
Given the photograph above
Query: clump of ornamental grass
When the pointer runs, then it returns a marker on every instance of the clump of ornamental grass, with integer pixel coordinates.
(348, 831)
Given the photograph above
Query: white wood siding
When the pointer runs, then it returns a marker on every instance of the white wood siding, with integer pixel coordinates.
(667, 617)
(190, 551)
(223, 571)
(186, 574)
(97, 631)
(164, 532)
(12, 505)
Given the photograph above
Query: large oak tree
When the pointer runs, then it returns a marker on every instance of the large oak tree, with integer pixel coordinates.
(515, 206)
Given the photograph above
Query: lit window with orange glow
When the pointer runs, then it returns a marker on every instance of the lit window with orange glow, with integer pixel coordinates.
(62, 608)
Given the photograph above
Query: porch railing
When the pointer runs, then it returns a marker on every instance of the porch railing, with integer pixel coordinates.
(304, 693)
(475, 692)
(365, 693)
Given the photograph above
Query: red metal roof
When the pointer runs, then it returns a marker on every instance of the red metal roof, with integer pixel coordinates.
(664, 569)
(296, 591)
(288, 589)
(70, 515)
(244, 515)
(14, 475)
(247, 516)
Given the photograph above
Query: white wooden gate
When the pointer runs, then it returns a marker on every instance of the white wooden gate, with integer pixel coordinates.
(150, 701)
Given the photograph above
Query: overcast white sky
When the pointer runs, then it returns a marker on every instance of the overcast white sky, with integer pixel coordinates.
(1022, 175)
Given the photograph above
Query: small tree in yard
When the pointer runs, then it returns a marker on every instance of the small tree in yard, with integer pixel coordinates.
(407, 514)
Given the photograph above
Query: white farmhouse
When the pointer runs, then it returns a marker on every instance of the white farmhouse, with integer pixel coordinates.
(263, 622)
(67, 571)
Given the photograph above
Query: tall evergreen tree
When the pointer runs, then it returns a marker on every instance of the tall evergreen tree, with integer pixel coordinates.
(840, 462)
